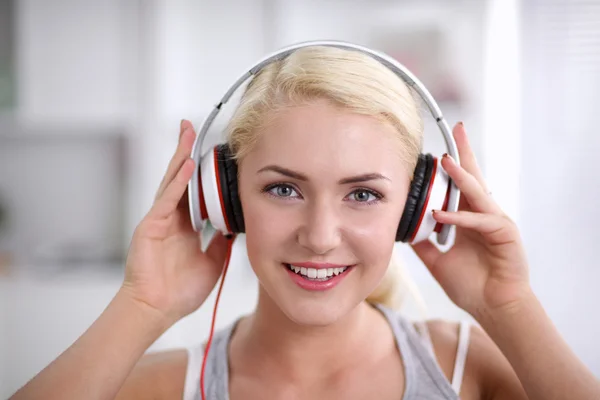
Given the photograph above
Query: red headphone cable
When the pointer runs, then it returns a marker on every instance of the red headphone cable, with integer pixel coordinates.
(230, 240)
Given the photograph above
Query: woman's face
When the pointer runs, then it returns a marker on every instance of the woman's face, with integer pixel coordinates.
(322, 191)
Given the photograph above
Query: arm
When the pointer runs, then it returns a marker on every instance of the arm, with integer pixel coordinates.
(486, 273)
(487, 372)
(98, 363)
(159, 375)
(166, 278)
(544, 363)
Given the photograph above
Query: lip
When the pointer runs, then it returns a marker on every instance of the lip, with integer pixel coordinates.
(316, 286)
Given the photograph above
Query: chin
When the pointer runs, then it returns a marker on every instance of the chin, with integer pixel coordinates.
(316, 309)
(315, 312)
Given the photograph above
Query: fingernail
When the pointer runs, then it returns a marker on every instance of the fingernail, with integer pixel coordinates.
(446, 155)
(461, 124)
(181, 124)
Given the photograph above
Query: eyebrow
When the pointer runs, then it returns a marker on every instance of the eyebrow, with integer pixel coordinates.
(297, 175)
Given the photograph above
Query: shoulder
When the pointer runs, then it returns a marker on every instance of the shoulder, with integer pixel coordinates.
(444, 337)
(487, 372)
(159, 375)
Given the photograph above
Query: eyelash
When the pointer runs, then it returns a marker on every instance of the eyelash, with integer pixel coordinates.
(267, 189)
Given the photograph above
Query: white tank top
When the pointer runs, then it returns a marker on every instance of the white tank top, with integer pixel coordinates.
(424, 378)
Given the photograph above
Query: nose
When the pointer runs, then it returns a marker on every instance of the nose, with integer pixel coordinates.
(320, 231)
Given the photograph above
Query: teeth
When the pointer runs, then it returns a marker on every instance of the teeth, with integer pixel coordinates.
(314, 273)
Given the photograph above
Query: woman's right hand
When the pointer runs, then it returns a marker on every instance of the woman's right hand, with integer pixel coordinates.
(166, 269)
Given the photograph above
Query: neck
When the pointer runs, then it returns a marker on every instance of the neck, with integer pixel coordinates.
(271, 342)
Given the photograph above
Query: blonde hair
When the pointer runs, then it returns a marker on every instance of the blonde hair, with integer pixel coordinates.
(349, 79)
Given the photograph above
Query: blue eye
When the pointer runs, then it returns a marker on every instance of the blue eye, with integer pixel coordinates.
(282, 190)
(365, 196)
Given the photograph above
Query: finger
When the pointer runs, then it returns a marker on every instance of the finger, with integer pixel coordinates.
(183, 151)
(427, 252)
(467, 157)
(183, 125)
(164, 180)
(168, 200)
(497, 229)
(470, 188)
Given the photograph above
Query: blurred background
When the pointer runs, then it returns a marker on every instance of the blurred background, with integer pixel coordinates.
(92, 93)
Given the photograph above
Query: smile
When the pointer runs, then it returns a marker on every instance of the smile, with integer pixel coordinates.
(317, 274)
(317, 277)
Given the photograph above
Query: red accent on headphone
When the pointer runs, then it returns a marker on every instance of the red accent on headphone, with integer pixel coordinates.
(438, 226)
(220, 191)
(426, 199)
(203, 212)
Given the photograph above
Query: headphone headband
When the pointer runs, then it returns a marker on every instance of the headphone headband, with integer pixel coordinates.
(389, 62)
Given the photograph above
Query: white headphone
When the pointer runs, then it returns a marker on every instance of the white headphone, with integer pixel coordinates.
(213, 189)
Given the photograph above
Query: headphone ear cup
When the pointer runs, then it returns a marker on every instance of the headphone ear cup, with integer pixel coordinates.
(416, 199)
(228, 182)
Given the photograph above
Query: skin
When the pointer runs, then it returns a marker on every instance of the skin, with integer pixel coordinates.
(280, 351)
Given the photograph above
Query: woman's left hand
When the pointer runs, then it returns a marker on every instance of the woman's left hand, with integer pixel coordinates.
(486, 269)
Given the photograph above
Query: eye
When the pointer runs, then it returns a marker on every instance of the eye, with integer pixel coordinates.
(365, 196)
(281, 190)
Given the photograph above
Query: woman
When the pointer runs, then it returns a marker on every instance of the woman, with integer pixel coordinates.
(304, 125)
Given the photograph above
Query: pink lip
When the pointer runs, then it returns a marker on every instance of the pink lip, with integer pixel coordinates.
(311, 285)
(318, 265)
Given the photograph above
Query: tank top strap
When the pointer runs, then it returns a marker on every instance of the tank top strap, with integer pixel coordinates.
(461, 350)
(461, 355)
(216, 374)
(403, 344)
(424, 376)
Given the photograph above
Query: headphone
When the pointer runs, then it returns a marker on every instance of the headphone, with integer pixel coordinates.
(213, 189)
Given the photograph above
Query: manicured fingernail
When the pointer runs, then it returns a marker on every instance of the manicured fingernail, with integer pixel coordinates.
(448, 157)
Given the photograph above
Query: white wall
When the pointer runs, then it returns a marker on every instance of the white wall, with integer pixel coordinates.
(560, 178)
(191, 52)
(61, 166)
(72, 61)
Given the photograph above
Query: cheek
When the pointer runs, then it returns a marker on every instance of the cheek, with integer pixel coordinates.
(374, 223)
(373, 236)
(267, 229)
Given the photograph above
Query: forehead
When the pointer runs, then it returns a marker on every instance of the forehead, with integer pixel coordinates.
(320, 137)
